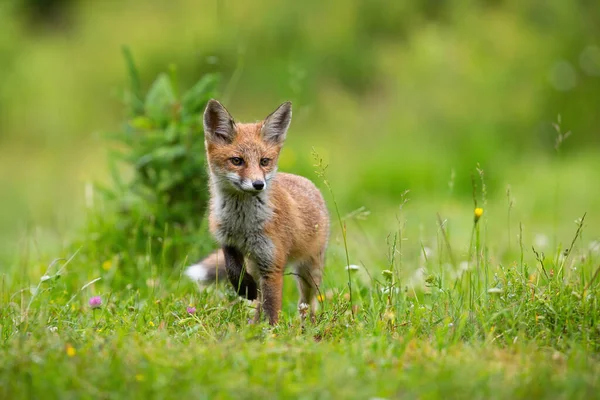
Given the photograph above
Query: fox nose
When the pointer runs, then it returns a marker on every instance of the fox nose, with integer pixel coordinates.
(258, 185)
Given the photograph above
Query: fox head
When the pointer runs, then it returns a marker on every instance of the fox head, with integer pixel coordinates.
(243, 157)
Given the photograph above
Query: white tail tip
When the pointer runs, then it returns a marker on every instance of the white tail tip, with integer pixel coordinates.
(197, 273)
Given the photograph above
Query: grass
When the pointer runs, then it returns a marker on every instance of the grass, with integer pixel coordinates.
(443, 309)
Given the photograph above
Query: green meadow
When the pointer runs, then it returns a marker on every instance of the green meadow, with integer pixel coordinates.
(457, 147)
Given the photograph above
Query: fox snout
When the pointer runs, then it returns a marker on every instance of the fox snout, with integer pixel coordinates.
(253, 185)
(247, 184)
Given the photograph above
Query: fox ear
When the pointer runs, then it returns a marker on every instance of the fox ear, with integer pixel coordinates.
(218, 123)
(277, 123)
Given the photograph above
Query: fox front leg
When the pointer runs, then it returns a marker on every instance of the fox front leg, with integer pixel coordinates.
(242, 282)
(271, 287)
(270, 267)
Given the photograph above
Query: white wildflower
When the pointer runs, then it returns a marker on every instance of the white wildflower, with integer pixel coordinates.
(541, 241)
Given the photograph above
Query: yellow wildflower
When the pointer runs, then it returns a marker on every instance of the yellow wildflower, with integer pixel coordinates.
(320, 298)
(107, 265)
(139, 377)
(70, 350)
(150, 323)
(478, 213)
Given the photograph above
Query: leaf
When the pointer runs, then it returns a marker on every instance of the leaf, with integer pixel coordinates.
(160, 99)
(144, 160)
(141, 122)
(134, 80)
(198, 95)
(107, 193)
(171, 133)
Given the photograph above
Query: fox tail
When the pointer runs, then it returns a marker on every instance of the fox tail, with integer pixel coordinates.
(213, 267)
(208, 270)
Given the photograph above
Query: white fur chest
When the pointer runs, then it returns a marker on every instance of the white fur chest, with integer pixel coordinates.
(241, 221)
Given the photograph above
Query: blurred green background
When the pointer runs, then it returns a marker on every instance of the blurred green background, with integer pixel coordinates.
(394, 95)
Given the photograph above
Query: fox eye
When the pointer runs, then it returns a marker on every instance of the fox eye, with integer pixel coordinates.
(265, 161)
(237, 161)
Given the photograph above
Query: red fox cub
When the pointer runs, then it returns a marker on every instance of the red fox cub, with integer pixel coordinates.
(263, 220)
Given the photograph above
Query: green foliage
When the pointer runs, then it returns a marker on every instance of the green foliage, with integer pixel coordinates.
(162, 146)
